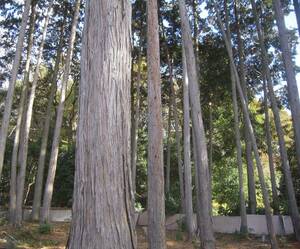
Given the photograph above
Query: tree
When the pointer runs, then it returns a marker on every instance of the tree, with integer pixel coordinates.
(45, 215)
(38, 187)
(27, 124)
(156, 197)
(206, 229)
(103, 134)
(12, 83)
(187, 152)
(293, 94)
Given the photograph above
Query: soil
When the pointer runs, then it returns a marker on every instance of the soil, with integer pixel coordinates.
(32, 236)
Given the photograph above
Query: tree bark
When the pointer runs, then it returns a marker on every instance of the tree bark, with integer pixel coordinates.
(207, 234)
(293, 209)
(156, 199)
(249, 158)
(48, 192)
(12, 83)
(243, 213)
(293, 94)
(177, 134)
(102, 207)
(168, 169)
(38, 186)
(187, 152)
(270, 151)
(23, 150)
(135, 123)
(24, 93)
(265, 194)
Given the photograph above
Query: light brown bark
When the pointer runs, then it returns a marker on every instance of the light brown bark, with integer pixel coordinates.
(12, 83)
(207, 234)
(102, 207)
(156, 198)
(48, 192)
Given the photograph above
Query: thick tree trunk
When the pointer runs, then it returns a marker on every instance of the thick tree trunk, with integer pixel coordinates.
(187, 152)
(135, 124)
(177, 133)
(249, 158)
(23, 98)
(243, 213)
(24, 146)
(293, 209)
(297, 12)
(270, 151)
(265, 194)
(45, 213)
(293, 93)
(207, 234)
(102, 207)
(156, 199)
(38, 187)
(12, 83)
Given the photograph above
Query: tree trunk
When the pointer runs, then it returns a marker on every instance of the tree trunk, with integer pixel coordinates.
(168, 169)
(156, 199)
(243, 213)
(24, 146)
(12, 83)
(270, 151)
(38, 187)
(177, 133)
(293, 209)
(207, 234)
(265, 194)
(249, 159)
(187, 153)
(135, 123)
(45, 213)
(297, 12)
(102, 207)
(24, 93)
(293, 93)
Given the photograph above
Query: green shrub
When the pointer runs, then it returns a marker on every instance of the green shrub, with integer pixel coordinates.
(45, 228)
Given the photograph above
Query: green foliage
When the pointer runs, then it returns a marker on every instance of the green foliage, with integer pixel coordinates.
(45, 228)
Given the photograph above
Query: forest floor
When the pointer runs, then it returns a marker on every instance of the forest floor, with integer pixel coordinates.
(33, 236)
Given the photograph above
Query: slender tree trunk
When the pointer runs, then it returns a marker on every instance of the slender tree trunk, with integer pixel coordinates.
(14, 160)
(38, 187)
(243, 213)
(177, 133)
(270, 151)
(210, 141)
(24, 146)
(293, 94)
(135, 123)
(249, 159)
(297, 12)
(156, 199)
(168, 169)
(293, 209)
(266, 200)
(45, 214)
(12, 83)
(102, 207)
(207, 234)
(187, 153)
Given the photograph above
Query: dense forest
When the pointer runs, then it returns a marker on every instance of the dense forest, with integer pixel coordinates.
(166, 106)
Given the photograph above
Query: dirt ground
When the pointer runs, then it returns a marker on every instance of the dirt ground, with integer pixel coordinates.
(30, 237)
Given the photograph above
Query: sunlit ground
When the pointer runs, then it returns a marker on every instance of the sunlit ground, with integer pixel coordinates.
(32, 236)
